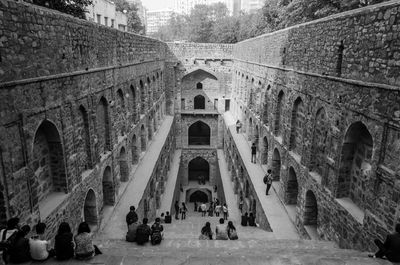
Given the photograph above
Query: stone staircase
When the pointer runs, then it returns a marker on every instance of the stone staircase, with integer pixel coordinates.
(255, 246)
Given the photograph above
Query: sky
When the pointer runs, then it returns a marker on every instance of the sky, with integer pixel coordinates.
(157, 4)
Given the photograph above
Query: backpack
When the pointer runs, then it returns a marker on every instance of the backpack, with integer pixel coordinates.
(233, 235)
(265, 180)
(156, 238)
(5, 244)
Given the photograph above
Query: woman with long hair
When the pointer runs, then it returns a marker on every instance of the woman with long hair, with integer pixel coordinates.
(206, 232)
(64, 242)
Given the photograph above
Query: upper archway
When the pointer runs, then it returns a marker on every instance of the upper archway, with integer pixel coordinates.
(199, 72)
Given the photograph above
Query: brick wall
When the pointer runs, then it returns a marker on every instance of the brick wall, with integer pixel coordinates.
(340, 143)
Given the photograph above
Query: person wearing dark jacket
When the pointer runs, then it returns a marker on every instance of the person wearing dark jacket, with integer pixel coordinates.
(252, 220)
(64, 242)
(245, 219)
(143, 233)
(20, 252)
(131, 217)
(390, 248)
(167, 218)
(177, 210)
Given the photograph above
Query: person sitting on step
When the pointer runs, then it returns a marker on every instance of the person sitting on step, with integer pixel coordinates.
(156, 232)
(19, 251)
(64, 242)
(84, 248)
(390, 248)
(143, 233)
(221, 232)
(231, 229)
(39, 246)
(206, 232)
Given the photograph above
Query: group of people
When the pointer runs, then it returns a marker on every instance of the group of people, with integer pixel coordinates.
(17, 247)
(143, 233)
(214, 208)
(222, 231)
(248, 219)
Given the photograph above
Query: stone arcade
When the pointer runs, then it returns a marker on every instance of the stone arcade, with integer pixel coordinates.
(82, 103)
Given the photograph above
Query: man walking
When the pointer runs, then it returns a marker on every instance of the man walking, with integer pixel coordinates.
(268, 180)
(131, 217)
(253, 153)
(203, 207)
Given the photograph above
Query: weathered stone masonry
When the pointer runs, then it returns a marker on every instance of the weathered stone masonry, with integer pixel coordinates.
(79, 103)
(322, 101)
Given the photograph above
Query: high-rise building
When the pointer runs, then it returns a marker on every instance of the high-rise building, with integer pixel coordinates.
(185, 6)
(157, 18)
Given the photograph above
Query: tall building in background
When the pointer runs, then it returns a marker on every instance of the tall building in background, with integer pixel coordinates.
(251, 5)
(157, 18)
(185, 6)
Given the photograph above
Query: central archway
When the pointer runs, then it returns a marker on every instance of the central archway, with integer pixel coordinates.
(90, 208)
(198, 196)
(199, 134)
(198, 168)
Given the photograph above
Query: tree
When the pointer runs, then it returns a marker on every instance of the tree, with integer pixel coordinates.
(135, 24)
(76, 8)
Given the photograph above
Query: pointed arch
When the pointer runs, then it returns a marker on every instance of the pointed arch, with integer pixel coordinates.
(108, 187)
(143, 138)
(134, 150)
(292, 188)
(278, 113)
(199, 102)
(103, 126)
(84, 120)
(198, 167)
(297, 126)
(199, 134)
(134, 108)
(123, 165)
(355, 159)
(143, 98)
(276, 165)
(264, 158)
(310, 209)
(318, 153)
(48, 162)
(90, 214)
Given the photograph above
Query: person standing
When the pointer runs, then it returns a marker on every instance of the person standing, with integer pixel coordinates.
(225, 211)
(176, 210)
(217, 210)
(268, 180)
(390, 248)
(203, 209)
(195, 206)
(183, 211)
(253, 153)
(168, 218)
(241, 205)
(245, 219)
(238, 126)
(132, 216)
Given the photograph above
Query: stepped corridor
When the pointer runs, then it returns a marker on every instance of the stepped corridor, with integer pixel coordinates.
(94, 120)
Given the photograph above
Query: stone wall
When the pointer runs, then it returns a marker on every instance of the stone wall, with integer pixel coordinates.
(71, 133)
(321, 99)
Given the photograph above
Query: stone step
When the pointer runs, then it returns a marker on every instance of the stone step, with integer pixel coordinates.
(250, 252)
